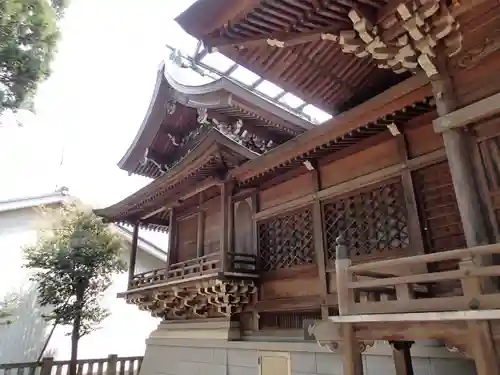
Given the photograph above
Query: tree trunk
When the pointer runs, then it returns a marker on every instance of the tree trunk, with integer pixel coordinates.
(75, 334)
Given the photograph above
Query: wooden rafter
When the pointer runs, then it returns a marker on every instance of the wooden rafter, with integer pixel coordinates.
(280, 39)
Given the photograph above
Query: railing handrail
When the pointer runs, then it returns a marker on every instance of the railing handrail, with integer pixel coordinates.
(48, 363)
(456, 254)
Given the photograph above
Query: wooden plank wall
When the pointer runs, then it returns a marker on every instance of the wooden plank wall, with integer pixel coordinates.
(299, 288)
(186, 238)
(212, 224)
(475, 69)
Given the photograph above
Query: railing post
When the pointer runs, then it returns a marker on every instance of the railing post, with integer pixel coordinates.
(112, 364)
(47, 364)
(481, 342)
(342, 264)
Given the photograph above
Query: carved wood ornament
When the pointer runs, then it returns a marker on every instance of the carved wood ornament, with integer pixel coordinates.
(201, 300)
(328, 336)
(404, 41)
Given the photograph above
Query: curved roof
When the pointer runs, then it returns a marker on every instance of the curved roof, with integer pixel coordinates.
(173, 110)
(214, 152)
(291, 44)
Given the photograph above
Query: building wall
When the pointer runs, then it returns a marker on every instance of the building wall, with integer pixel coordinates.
(212, 357)
(123, 333)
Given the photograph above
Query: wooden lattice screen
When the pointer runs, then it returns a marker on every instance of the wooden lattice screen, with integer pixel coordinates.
(286, 241)
(371, 221)
(286, 320)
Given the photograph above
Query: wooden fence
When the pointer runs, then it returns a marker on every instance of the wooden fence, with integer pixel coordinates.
(112, 365)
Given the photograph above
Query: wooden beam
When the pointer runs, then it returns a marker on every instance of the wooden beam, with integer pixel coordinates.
(468, 115)
(448, 316)
(458, 151)
(275, 40)
(356, 183)
(319, 248)
(200, 235)
(407, 92)
(352, 362)
(225, 191)
(133, 253)
(414, 228)
(402, 357)
(203, 17)
(482, 347)
(172, 238)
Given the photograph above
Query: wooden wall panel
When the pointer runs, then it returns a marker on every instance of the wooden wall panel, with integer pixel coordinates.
(300, 281)
(422, 140)
(286, 191)
(488, 137)
(372, 159)
(475, 69)
(187, 232)
(212, 226)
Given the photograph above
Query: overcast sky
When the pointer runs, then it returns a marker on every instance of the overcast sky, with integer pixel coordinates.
(94, 102)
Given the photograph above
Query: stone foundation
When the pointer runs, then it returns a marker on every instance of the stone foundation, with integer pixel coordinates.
(204, 349)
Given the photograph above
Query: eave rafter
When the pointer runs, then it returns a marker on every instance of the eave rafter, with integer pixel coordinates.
(401, 36)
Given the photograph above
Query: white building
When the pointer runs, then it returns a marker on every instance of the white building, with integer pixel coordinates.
(123, 333)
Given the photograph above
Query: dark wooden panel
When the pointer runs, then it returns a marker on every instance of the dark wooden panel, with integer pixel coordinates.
(439, 217)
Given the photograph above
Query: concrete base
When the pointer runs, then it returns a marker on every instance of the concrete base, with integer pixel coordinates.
(187, 349)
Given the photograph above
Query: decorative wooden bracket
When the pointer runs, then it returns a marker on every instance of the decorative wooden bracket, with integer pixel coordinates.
(328, 336)
(407, 40)
(202, 300)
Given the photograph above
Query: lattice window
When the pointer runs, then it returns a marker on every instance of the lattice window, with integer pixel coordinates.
(286, 241)
(286, 320)
(370, 222)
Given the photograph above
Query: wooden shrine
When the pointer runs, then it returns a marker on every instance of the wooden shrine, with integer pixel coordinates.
(380, 224)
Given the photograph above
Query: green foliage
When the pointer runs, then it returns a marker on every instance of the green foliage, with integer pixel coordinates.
(28, 37)
(73, 264)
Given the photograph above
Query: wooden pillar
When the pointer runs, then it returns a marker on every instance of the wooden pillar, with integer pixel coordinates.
(345, 295)
(414, 228)
(402, 357)
(352, 361)
(172, 238)
(319, 248)
(479, 339)
(133, 254)
(225, 193)
(458, 151)
(200, 234)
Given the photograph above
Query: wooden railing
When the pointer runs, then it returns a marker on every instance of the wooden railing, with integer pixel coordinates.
(112, 365)
(365, 288)
(205, 265)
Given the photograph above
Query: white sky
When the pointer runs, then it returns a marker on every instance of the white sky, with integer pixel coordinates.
(94, 102)
(91, 107)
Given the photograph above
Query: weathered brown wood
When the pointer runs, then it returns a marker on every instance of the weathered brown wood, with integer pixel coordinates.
(225, 192)
(481, 341)
(458, 150)
(483, 348)
(172, 234)
(402, 357)
(468, 115)
(414, 227)
(201, 229)
(318, 240)
(407, 92)
(133, 253)
(352, 362)
(353, 184)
